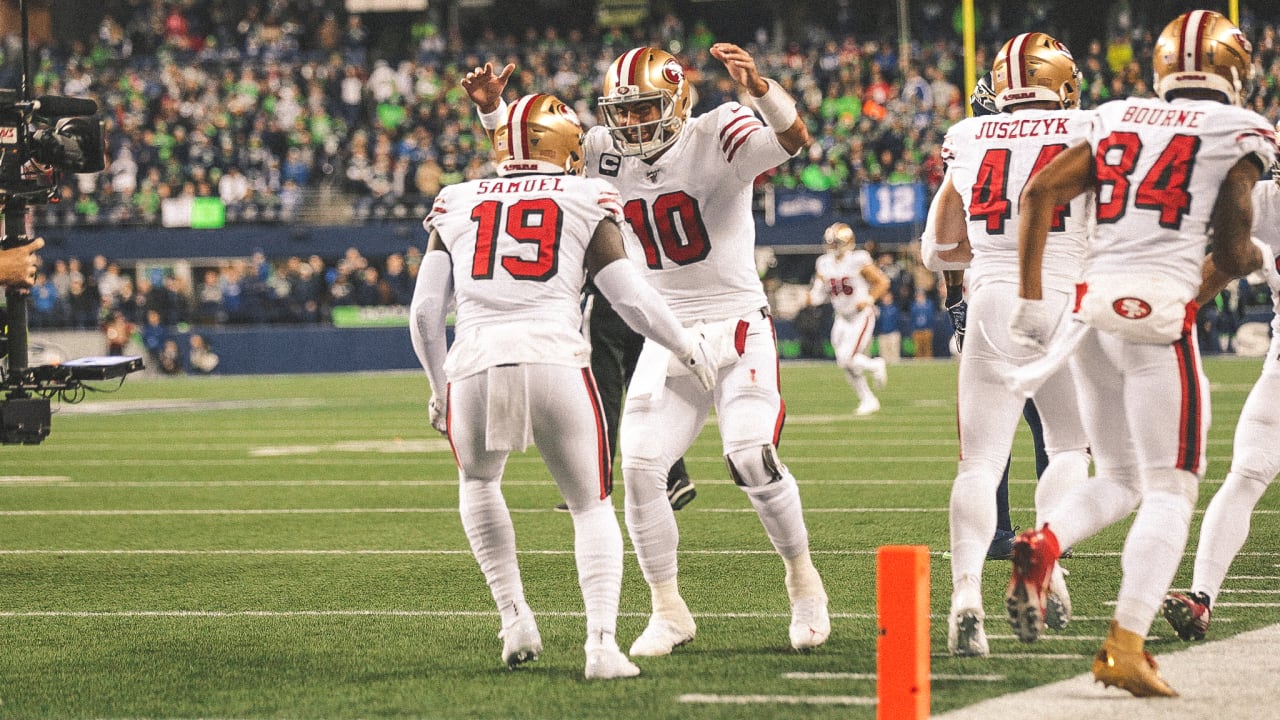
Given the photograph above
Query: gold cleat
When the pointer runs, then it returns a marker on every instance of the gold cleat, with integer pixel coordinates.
(1124, 664)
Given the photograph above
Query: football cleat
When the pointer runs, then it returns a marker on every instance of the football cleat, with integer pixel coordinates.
(1035, 553)
(879, 372)
(680, 492)
(1001, 547)
(521, 642)
(1123, 663)
(966, 636)
(810, 622)
(1057, 606)
(1188, 613)
(664, 634)
(606, 662)
(870, 406)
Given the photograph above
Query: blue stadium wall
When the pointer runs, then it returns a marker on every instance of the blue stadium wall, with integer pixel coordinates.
(376, 239)
(272, 349)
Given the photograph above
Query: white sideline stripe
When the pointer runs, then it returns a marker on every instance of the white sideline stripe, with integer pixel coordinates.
(1232, 678)
(872, 676)
(698, 698)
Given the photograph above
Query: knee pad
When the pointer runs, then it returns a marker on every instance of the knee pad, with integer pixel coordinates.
(1176, 482)
(754, 466)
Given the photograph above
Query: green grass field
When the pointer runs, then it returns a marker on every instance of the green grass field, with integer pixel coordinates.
(289, 547)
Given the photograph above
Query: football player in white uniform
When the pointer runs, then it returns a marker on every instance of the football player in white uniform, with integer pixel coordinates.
(1171, 175)
(686, 187)
(846, 277)
(989, 160)
(513, 253)
(1255, 460)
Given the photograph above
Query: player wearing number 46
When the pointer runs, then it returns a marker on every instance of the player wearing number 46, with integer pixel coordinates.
(514, 253)
(686, 187)
(847, 278)
(989, 160)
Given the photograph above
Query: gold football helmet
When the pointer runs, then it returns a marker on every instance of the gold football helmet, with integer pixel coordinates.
(542, 135)
(1203, 49)
(1033, 67)
(645, 75)
(838, 238)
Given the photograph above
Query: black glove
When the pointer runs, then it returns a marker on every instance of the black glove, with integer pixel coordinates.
(958, 313)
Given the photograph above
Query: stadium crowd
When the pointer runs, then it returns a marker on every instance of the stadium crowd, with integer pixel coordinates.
(260, 109)
(266, 109)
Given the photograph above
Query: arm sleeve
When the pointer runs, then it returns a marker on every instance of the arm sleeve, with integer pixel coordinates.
(427, 314)
(640, 306)
(929, 247)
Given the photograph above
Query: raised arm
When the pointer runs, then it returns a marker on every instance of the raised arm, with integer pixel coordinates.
(774, 104)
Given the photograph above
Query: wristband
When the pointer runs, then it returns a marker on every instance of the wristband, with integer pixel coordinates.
(496, 119)
(777, 107)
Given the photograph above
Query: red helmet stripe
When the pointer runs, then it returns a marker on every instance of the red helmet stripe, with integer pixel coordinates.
(1193, 32)
(1016, 61)
(517, 122)
(627, 67)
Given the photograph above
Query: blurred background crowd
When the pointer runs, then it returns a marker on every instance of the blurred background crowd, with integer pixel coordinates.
(298, 111)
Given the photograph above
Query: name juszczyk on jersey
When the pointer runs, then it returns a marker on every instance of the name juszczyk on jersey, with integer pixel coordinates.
(1032, 127)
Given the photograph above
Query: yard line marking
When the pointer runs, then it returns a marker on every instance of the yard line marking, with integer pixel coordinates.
(1246, 591)
(872, 676)
(1025, 656)
(437, 458)
(1052, 638)
(66, 482)
(370, 551)
(377, 613)
(700, 698)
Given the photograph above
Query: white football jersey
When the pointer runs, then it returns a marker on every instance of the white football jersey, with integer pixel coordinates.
(1266, 227)
(990, 160)
(518, 246)
(839, 280)
(691, 210)
(1159, 168)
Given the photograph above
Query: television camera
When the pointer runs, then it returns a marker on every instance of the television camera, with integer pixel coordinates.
(41, 139)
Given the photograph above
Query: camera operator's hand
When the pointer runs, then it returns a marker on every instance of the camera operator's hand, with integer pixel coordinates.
(18, 265)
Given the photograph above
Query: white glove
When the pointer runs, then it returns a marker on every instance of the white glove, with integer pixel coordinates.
(699, 362)
(1029, 324)
(437, 413)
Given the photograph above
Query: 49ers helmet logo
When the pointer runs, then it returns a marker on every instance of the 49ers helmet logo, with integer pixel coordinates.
(1131, 307)
(672, 72)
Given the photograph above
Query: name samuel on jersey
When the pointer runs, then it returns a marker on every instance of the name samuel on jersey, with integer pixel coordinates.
(540, 184)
